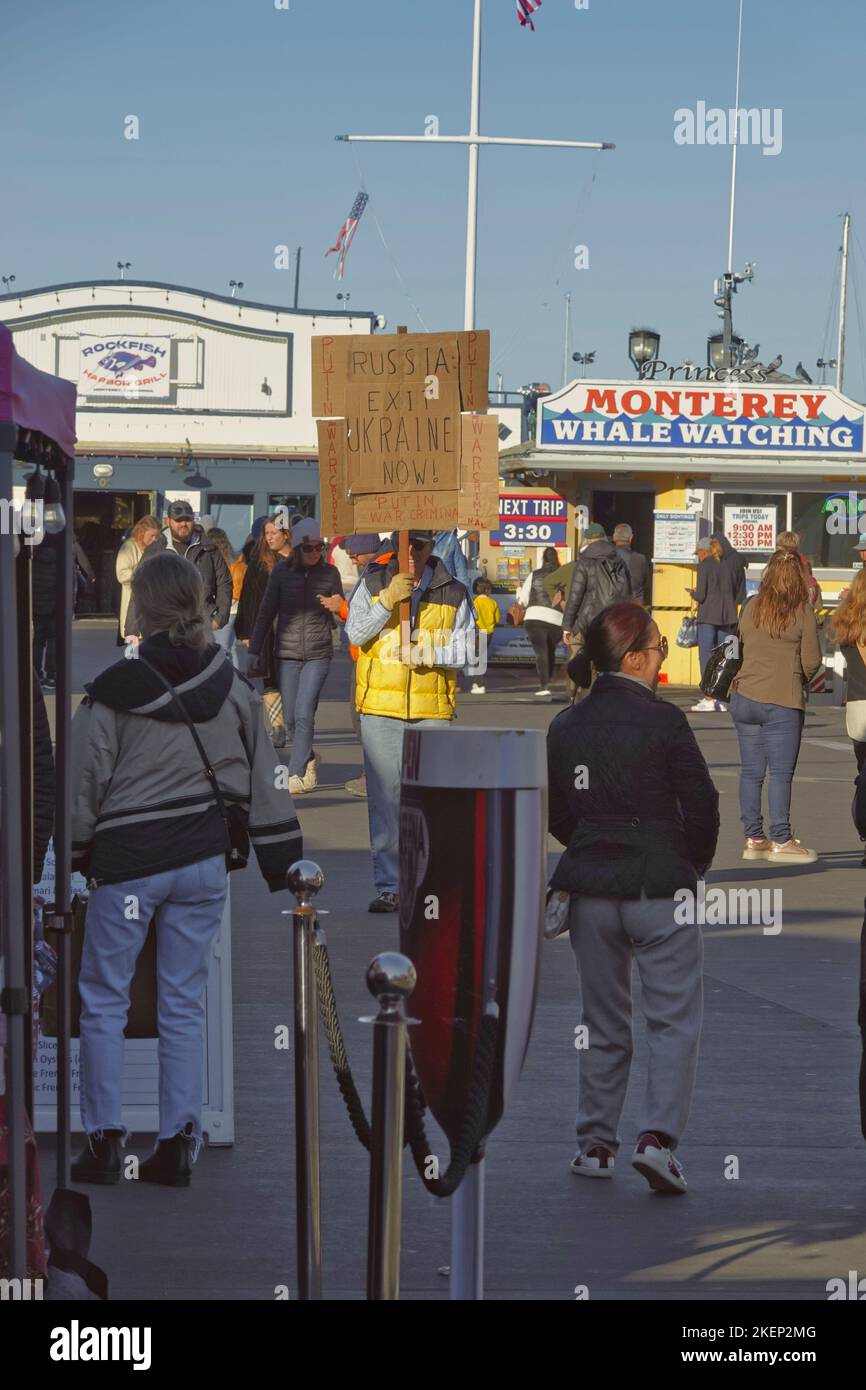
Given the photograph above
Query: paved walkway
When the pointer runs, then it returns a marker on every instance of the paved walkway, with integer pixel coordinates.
(776, 1090)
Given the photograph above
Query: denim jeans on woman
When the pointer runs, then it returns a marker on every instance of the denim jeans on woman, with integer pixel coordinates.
(769, 737)
(188, 904)
(300, 687)
(709, 636)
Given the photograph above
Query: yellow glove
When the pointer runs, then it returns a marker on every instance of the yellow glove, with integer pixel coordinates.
(400, 588)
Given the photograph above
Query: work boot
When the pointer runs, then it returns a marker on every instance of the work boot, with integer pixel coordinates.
(171, 1164)
(357, 786)
(101, 1159)
(310, 778)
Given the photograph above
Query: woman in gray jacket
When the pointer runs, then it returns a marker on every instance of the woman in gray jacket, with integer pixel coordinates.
(148, 830)
(781, 654)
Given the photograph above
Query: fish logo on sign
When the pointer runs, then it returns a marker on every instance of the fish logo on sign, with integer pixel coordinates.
(121, 362)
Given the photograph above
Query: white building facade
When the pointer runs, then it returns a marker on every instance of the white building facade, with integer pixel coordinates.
(181, 393)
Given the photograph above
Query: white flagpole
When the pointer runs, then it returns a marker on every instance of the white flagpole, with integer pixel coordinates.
(734, 150)
(472, 209)
(474, 141)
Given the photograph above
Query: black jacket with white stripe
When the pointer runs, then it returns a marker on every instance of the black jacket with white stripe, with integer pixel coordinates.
(142, 801)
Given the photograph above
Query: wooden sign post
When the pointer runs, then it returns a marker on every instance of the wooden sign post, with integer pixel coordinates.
(406, 606)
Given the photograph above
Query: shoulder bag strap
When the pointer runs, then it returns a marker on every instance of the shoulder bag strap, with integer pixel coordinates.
(211, 775)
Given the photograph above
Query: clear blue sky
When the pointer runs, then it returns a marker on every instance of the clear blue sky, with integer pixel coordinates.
(239, 102)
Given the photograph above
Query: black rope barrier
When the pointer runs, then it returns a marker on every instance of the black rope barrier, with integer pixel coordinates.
(477, 1105)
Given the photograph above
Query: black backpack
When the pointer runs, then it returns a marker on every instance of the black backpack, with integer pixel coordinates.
(613, 583)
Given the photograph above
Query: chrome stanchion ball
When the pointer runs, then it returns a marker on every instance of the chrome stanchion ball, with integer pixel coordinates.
(304, 879)
(391, 976)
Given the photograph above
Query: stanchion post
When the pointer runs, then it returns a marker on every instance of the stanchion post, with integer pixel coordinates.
(304, 880)
(390, 979)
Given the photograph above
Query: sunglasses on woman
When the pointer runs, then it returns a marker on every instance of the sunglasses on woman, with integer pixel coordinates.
(662, 647)
(309, 548)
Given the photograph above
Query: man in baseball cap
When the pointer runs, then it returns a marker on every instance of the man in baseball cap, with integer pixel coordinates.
(190, 541)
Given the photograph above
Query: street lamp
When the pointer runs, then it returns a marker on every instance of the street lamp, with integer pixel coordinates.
(347, 297)
(718, 351)
(7, 281)
(643, 346)
(235, 285)
(123, 267)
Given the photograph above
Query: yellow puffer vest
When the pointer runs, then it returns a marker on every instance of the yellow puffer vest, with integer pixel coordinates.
(383, 683)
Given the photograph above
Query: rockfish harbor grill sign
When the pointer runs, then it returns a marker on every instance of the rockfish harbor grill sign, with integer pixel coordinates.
(118, 363)
(707, 417)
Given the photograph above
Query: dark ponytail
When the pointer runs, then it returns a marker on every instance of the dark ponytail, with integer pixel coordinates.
(624, 627)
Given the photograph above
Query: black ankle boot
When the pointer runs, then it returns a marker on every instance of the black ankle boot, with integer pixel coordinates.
(101, 1159)
(171, 1164)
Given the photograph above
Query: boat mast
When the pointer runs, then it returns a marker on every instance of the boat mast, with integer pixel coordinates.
(843, 303)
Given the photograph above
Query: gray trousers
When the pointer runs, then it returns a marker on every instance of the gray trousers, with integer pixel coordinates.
(606, 935)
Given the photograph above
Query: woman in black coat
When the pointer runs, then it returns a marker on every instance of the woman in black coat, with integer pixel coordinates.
(267, 546)
(304, 645)
(632, 799)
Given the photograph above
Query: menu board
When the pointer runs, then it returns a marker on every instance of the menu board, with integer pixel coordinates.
(675, 537)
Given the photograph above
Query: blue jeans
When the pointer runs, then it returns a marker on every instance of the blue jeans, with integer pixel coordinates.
(225, 637)
(382, 741)
(300, 687)
(710, 636)
(188, 903)
(769, 736)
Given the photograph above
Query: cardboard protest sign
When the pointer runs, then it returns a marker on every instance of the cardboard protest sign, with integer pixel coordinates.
(328, 375)
(459, 361)
(400, 511)
(400, 438)
(478, 502)
(337, 515)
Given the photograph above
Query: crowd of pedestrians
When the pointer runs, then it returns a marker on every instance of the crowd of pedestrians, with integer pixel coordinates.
(174, 777)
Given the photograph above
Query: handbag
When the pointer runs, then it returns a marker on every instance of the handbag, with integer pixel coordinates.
(234, 818)
(721, 669)
(688, 633)
(141, 1020)
(556, 910)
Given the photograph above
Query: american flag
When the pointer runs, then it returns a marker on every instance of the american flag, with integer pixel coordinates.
(526, 8)
(347, 232)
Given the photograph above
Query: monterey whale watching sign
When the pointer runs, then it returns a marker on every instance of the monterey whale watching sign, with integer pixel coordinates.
(701, 417)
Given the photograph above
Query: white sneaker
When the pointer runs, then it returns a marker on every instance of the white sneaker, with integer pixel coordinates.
(704, 707)
(478, 689)
(542, 692)
(597, 1162)
(658, 1165)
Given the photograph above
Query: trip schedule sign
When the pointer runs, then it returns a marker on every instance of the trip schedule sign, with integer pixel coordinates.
(751, 528)
(534, 520)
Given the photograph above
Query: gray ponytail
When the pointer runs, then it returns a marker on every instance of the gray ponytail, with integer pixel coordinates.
(168, 595)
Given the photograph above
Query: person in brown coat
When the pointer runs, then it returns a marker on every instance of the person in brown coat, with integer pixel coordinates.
(781, 653)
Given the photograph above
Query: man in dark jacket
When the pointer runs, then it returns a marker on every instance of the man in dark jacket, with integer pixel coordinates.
(735, 563)
(600, 578)
(638, 565)
(183, 536)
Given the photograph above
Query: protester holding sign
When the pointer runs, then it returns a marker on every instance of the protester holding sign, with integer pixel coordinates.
(392, 695)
